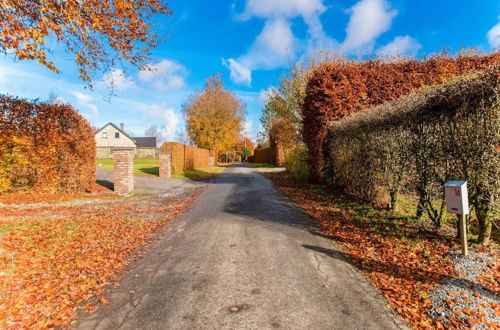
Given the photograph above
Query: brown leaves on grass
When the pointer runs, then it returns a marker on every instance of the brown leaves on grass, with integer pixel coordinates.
(404, 262)
(50, 266)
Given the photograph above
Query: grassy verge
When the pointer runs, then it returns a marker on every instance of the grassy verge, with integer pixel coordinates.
(262, 165)
(406, 259)
(141, 166)
(203, 173)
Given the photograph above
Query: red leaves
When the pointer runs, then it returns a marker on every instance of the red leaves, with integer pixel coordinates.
(52, 264)
(394, 260)
(339, 88)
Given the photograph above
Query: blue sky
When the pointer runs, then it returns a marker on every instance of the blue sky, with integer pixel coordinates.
(251, 42)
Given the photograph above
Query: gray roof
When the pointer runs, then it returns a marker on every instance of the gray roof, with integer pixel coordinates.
(146, 142)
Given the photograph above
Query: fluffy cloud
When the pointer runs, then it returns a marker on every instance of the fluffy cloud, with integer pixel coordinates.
(239, 73)
(84, 100)
(169, 129)
(117, 79)
(265, 94)
(247, 129)
(273, 47)
(276, 43)
(494, 36)
(164, 75)
(282, 8)
(402, 45)
(369, 19)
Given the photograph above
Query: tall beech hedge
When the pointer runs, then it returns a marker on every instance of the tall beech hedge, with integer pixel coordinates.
(185, 157)
(44, 147)
(340, 88)
(420, 141)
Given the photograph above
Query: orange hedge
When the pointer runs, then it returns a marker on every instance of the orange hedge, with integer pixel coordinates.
(186, 157)
(44, 147)
(339, 88)
(263, 155)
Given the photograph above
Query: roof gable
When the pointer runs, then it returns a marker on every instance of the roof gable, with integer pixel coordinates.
(115, 127)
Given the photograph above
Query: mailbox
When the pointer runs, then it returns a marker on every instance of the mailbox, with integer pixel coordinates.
(457, 199)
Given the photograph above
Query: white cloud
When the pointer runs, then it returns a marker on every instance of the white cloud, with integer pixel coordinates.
(369, 19)
(164, 75)
(282, 8)
(247, 128)
(117, 79)
(239, 73)
(402, 46)
(265, 94)
(84, 100)
(494, 36)
(276, 44)
(169, 129)
(272, 48)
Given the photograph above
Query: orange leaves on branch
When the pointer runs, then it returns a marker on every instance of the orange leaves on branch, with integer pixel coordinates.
(101, 33)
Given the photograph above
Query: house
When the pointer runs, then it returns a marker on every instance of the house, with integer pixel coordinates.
(111, 136)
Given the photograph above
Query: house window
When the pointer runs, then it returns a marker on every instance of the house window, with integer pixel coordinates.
(104, 135)
(117, 135)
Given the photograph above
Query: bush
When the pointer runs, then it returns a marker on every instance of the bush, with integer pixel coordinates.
(296, 163)
(340, 88)
(44, 147)
(447, 132)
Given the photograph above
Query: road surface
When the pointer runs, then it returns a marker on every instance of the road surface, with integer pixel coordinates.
(242, 244)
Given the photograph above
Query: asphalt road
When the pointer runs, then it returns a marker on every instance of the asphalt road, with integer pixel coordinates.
(244, 244)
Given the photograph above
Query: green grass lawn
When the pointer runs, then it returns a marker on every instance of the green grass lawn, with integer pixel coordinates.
(203, 173)
(151, 167)
(141, 166)
(262, 165)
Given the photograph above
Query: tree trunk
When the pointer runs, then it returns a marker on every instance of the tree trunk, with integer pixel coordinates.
(394, 199)
(421, 205)
(484, 226)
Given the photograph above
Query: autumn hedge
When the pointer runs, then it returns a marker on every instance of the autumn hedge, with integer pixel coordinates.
(340, 87)
(44, 147)
(185, 157)
(420, 141)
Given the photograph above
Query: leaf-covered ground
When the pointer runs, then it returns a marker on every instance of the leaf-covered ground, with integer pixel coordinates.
(405, 259)
(56, 258)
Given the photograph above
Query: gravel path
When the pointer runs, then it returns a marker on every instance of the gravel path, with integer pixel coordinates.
(465, 298)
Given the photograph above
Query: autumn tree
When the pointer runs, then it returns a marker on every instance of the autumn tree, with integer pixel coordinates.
(99, 34)
(214, 117)
(245, 148)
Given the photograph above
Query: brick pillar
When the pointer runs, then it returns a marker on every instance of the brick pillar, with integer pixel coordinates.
(165, 165)
(123, 159)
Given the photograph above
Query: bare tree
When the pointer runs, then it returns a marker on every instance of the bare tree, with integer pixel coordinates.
(153, 131)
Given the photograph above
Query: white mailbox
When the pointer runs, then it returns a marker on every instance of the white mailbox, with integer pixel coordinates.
(457, 199)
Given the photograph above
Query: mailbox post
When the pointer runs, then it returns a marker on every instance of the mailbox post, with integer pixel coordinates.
(457, 201)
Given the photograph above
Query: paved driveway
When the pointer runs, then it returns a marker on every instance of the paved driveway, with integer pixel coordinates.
(242, 244)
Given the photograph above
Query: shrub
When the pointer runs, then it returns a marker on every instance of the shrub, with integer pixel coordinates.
(44, 147)
(339, 88)
(447, 132)
(296, 163)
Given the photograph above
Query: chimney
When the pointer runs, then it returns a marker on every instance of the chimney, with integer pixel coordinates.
(122, 126)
